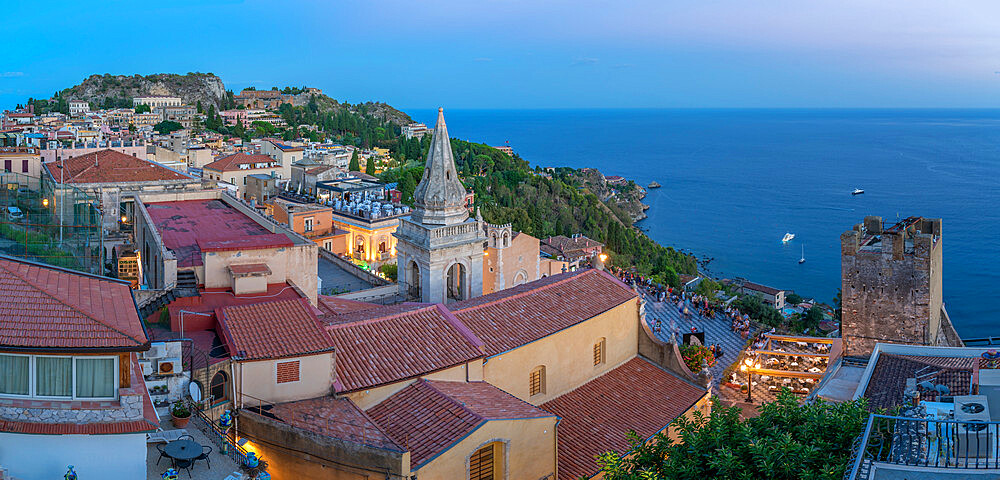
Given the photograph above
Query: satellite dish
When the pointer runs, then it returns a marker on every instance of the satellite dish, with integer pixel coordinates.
(194, 389)
(926, 385)
(943, 389)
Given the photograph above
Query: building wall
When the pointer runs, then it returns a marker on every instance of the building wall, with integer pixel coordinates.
(366, 399)
(568, 355)
(23, 161)
(56, 154)
(890, 295)
(529, 451)
(296, 264)
(45, 457)
(516, 264)
(236, 177)
(370, 237)
(260, 381)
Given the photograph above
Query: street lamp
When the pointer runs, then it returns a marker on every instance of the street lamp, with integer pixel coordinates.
(749, 366)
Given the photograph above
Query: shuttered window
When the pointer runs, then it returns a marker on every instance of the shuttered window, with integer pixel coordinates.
(536, 383)
(481, 464)
(599, 352)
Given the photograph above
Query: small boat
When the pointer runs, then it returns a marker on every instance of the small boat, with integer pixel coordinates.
(857, 191)
(803, 258)
(787, 238)
(654, 184)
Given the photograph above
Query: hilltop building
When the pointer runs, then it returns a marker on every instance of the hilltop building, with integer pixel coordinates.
(156, 101)
(440, 249)
(235, 168)
(891, 285)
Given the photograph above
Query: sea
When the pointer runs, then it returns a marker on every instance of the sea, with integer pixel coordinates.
(735, 181)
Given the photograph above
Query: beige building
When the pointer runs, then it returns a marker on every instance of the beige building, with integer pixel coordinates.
(155, 101)
(234, 169)
(284, 153)
(511, 259)
(23, 160)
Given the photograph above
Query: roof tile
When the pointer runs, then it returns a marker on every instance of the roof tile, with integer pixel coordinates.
(109, 166)
(285, 328)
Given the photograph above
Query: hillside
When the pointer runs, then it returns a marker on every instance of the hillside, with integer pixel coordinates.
(191, 88)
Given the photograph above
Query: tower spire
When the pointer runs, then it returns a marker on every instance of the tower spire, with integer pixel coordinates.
(440, 196)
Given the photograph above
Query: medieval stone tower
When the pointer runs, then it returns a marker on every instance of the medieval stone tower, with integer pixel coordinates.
(440, 249)
(891, 285)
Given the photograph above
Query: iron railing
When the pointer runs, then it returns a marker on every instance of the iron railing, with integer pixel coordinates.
(922, 442)
(223, 441)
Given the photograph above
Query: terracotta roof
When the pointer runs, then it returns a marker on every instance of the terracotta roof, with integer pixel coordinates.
(285, 328)
(250, 269)
(888, 378)
(570, 246)
(391, 344)
(233, 162)
(47, 307)
(189, 227)
(335, 417)
(337, 306)
(109, 166)
(429, 417)
(516, 316)
(597, 415)
(761, 288)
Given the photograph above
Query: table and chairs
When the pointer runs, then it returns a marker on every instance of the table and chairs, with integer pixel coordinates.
(184, 452)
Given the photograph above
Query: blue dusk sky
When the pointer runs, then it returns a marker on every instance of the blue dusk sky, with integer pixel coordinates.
(527, 53)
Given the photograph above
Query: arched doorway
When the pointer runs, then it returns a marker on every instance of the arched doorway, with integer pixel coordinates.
(359, 246)
(413, 280)
(457, 283)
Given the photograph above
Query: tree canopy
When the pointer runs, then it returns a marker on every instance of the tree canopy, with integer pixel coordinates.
(787, 441)
(355, 165)
(167, 126)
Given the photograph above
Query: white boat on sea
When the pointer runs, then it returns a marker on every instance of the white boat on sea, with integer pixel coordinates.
(787, 238)
(857, 191)
(802, 259)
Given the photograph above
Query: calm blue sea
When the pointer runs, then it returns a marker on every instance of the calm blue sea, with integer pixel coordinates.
(734, 181)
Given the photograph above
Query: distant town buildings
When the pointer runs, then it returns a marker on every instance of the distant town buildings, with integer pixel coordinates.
(412, 130)
(156, 101)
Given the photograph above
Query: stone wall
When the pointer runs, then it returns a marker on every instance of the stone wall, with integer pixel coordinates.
(128, 407)
(891, 285)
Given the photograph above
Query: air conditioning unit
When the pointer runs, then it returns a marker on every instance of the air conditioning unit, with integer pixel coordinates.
(975, 438)
(156, 350)
(147, 367)
(168, 366)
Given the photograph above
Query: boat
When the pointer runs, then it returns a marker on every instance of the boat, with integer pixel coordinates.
(803, 258)
(654, 184)
(857, 191)
(787, 238)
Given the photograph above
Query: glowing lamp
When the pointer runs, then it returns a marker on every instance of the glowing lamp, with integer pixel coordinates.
(124, 219)
(45, 202)
(603, 257)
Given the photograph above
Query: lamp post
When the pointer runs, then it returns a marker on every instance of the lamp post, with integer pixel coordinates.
(749, 365)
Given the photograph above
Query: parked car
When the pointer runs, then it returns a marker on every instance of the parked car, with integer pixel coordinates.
(14, 213)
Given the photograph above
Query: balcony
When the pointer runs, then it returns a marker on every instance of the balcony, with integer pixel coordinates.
(921, 446)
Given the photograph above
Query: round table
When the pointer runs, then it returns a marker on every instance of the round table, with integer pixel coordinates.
(183, 449)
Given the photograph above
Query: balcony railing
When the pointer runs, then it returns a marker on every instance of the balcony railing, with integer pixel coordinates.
(920, 442)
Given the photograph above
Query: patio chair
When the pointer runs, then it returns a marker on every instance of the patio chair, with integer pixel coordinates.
(159, 448)
(206, 450)
(184, 465)
(185, 437)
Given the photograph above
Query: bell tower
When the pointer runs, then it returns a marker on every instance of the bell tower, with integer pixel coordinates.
(439, 251)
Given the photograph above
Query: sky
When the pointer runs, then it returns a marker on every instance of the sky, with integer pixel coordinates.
(527, 53)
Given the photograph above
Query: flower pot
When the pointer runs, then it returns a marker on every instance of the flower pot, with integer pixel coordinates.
(180, 422)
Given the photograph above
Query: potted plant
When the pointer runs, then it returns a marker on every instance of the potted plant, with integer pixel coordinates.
(180, 413)
(254, 467)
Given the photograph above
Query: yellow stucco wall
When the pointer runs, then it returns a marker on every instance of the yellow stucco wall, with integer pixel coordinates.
(259, 380)
(501, 266)
(529, 451)
(366, 399)
(568, 356)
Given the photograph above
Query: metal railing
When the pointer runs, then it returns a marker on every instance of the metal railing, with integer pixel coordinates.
(223, 441)
(920, 442)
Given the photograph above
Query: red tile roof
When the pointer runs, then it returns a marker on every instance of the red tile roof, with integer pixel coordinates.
(336, 417)
(51, 308)
(516, 316)
(189, 227)
(109, 166)
(888, 379)
(391, 344)
(285, 328)
(337, 306)
(232, 162)
(429, 417)
(597, 415)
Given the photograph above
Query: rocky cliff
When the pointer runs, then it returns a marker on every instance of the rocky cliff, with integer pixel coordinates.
(191, 88)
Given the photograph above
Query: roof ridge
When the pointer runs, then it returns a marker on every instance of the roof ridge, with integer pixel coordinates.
(72, 307)
(378, 318)
(462, 328)
(526, 292)
(454, 401)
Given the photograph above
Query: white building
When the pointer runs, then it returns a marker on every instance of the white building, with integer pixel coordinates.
(78, 107)
(414, 130)
(155, 101)
(70, 382)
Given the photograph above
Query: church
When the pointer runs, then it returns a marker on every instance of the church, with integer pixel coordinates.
(527, 382)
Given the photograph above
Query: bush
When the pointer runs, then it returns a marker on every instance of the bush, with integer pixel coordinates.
(759, 311)
(793, 298)
(694, 354)
(167, 126)
(390, 270)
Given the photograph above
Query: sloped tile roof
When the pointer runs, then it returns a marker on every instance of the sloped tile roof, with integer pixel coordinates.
(597, 415)
(335, 417)
(109, 166)
(387, 345)
(516, 316)
(51, 308)
(285, 328)
(233, 162)
(888, 379)
(428, 417)
(337, 306)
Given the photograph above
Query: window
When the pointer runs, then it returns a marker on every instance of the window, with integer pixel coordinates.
(59, 377)
(309, 224)
(328, 245)
(536, 383)
(24, 166)
(485, 463)
(219, 387)
(599, 352)
(287, 372)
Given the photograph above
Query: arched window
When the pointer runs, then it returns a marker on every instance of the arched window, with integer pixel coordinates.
(599, 351)
(219, 388)
(536, 382)
(487, 462)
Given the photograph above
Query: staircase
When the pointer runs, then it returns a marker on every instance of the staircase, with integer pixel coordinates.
(186, 280)
(187, 286)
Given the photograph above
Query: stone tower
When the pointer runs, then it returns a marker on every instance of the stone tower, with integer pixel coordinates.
(439, 251)
(891, 285)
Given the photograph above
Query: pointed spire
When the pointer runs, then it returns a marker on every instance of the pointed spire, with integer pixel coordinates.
(440, 196)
